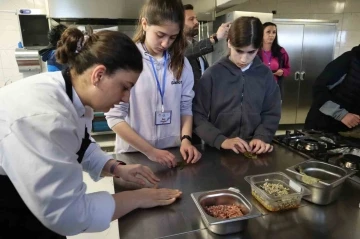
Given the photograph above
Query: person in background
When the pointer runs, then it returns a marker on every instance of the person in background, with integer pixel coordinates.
(336, 95)
(159, 113)
(237, 102)
(45, 143)
(48, 54)
(273, 55)
(196, 50)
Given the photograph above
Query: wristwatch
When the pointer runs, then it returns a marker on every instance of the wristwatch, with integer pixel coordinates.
(186, 137)
(213, 36)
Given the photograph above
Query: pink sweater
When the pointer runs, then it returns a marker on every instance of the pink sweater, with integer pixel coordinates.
(273, 62)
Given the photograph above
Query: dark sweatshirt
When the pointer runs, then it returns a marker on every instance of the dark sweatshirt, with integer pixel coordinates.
(230, 103)
(336, 92)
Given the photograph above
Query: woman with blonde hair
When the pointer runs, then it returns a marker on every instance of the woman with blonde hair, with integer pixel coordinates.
(159, 113)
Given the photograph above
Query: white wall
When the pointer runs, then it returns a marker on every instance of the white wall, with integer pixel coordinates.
(10, 36)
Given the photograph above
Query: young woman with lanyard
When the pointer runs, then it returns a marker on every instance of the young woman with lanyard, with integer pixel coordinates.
(237, 103)
(273, 55)
(45, 143)
(159, 113)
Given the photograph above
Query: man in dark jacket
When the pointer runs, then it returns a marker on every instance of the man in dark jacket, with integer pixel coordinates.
(197, 49)
(336, 95)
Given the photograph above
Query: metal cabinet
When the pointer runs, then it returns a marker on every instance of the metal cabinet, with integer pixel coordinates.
(310, 45)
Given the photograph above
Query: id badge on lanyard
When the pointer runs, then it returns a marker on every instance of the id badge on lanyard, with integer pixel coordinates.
(162, 117)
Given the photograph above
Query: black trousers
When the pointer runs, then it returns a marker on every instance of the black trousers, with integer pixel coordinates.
(16, 219)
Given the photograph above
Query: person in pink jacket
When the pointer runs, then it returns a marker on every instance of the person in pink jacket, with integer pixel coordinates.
(273, 55)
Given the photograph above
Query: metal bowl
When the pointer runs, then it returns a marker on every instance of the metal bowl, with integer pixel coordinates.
(331, 177)
(224, 197)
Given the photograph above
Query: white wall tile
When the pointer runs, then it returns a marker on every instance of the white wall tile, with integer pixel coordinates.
(327, 6)
(338, 38)
(352, 6)
(336, 52)
(40, 4)
(351, 22)
(8, 59)
(12, 75)
(16, 4)
(285, 1)
(9, 22)
(287, 7)
(257, 6)
(329, 16)
(344, 49)
(350, 38)
(9, 39)
(2, 80)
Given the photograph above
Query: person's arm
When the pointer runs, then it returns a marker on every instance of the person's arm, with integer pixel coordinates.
(286, 63)
(334, 110)
(201, 109)
(46, 174)
(331, 75)
(143, 198)
(271, 112)
(187, 96)
(116, 121)
(186, 125)
(199, 48)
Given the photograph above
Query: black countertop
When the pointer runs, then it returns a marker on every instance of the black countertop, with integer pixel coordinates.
(218, 170)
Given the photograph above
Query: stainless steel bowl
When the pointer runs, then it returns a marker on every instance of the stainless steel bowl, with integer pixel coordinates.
(224, 197)
(331, 177)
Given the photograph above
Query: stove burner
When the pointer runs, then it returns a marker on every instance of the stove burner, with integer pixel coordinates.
(310, 145)
(346, 150)
(350, 161)
(326, 139)
(327, 147)
(312, 132)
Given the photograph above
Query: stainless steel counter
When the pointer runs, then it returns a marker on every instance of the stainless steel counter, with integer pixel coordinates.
(217, 170)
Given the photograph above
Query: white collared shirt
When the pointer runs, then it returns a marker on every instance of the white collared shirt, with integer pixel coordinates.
(40, 132)
(246, 67)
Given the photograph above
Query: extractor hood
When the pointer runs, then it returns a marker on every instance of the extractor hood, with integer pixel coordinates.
(105, 9)
(117, 9)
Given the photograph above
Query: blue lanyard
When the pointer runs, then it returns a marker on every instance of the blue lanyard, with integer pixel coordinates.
(162, 92)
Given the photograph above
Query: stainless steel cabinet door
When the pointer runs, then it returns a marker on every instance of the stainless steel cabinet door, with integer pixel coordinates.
(318, 50)
(290, 37)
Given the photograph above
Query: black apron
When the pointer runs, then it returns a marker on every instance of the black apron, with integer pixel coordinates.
(15, 217)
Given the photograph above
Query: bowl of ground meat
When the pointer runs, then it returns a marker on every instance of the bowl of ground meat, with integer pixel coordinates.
(224, 211)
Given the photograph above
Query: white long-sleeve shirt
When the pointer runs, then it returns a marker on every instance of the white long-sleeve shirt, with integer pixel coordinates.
(145, 99)
(40, 132)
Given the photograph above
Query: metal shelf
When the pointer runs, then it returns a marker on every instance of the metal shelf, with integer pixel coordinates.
(106, 144)
(102, 133)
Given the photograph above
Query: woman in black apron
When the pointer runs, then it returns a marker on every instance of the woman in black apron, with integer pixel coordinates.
(102, 71)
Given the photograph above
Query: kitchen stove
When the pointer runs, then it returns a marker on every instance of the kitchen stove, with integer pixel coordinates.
(326, 147)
